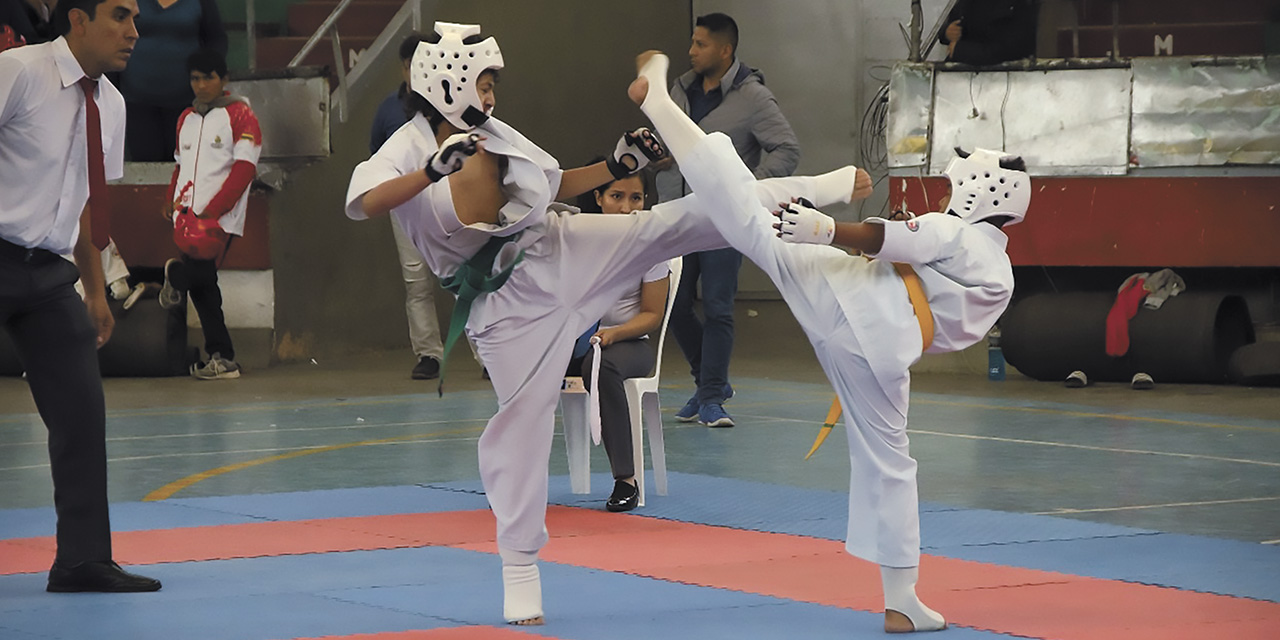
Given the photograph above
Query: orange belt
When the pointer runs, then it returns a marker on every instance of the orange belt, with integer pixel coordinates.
(924, 316)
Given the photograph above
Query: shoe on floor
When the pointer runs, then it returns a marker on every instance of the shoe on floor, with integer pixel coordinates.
(689, 412)
(428, 368)
(1076, 380)
(1142, 382)
(175, 282)
(714, 415)
(625, 497)
(134, 295)
(217, 368)
(105, 577)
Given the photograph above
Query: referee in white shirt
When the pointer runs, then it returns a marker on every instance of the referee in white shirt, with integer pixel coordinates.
(53, 100)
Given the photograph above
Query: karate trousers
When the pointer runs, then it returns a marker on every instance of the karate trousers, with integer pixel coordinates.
(575, 268)
(884, 520)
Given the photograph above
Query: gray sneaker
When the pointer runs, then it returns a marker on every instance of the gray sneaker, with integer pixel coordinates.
(217, 368)
(175, 282)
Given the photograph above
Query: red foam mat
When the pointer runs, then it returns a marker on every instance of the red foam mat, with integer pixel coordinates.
(1011, 600)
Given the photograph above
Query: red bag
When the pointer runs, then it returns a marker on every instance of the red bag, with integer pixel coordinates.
(200, 238)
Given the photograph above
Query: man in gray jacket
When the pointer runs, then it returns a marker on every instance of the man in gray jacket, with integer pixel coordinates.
(720, 93)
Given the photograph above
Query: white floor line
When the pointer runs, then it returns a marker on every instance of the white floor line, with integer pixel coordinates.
(1044, 443)
(1058, 512)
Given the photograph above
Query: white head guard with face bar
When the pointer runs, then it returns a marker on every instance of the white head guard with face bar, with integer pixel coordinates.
(981, 188)
(445, 73)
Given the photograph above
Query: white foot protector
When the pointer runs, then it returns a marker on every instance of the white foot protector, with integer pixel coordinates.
(521, 594)
(900, 596)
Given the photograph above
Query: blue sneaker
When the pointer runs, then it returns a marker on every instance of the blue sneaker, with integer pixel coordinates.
(714, 415)
(689, 412)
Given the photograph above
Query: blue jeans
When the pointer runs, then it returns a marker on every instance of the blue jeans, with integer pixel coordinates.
(707, 344)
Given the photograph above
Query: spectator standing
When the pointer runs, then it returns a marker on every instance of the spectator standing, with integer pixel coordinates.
(156, 87)
(982, 32)
(61, 138)
(720, 93)
(209, 199)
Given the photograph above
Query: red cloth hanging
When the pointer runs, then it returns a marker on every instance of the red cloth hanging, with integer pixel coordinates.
(1125, 307)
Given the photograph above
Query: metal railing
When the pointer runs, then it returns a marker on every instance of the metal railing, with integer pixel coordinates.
(410, 13)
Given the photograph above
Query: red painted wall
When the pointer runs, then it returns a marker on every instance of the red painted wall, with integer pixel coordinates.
(1140, 222)
(145, 239)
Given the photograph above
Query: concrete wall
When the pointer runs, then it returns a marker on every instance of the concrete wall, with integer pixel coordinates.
(568, 63)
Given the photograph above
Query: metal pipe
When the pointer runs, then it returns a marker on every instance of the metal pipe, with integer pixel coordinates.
(250, 28)
(320, 33)
(1115, 29)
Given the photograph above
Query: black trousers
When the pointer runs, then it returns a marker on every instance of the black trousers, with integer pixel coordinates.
(618, 361)
(57, 344)
(206, 297)
(151, 131)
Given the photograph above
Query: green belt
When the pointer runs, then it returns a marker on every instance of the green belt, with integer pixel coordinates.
(468, 282)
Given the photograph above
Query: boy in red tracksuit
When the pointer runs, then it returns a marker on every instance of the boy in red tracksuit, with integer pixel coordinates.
(217, 154)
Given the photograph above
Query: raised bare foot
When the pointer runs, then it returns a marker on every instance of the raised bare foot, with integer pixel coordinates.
(638, 90)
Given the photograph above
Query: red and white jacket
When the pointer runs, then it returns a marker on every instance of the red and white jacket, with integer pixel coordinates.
(217, 155)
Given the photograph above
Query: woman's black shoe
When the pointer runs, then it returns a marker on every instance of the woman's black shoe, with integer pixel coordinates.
(625, 497)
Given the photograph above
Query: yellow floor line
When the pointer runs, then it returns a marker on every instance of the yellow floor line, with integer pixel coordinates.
(178, 485)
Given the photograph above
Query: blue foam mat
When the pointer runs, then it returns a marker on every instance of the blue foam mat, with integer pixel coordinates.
(301, 505)
(1227, 567)
(1032, 541)
(395, 590)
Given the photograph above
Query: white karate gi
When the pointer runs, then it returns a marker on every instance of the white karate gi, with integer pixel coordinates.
(857, 315)
(574, 269)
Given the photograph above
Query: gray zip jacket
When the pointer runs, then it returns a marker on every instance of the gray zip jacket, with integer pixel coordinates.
(750, 116)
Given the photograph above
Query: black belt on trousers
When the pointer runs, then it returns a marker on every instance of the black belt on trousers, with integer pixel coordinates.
(11, 251)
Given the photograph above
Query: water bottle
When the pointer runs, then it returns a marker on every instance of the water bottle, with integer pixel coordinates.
(995, 357)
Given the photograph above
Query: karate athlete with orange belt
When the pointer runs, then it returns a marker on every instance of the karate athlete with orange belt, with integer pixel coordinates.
(858, 313)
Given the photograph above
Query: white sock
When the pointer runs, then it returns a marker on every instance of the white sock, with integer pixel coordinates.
(521, 593)
(677, 131)
(900, 595)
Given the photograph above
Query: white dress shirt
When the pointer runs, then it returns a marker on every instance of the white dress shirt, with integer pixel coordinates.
(44, 177)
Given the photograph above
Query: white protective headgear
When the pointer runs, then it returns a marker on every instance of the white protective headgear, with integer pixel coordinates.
(445, 73)
(981, 188)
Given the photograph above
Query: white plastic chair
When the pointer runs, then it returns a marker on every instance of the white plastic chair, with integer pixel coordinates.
(642, 400)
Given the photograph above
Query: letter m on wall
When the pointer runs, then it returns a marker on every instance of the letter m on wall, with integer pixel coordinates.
(1165, 44)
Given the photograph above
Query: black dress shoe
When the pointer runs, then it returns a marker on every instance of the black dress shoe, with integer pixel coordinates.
(625, 497)
(105, 577)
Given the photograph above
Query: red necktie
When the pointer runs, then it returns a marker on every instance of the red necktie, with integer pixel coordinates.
(99, 199)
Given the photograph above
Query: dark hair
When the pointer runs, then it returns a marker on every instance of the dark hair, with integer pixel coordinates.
(722, 25)
(62, 13)
(209, 61)
(587, 201)
(410, 44)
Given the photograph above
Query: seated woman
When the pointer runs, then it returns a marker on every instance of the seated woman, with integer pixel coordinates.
(625, 351)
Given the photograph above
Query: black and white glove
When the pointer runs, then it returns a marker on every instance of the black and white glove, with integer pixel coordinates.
(635, 150)
(449, 158)
(800, 223)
